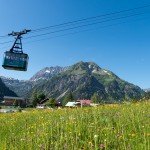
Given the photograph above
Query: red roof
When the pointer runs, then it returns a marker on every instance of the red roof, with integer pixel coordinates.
(88, 102)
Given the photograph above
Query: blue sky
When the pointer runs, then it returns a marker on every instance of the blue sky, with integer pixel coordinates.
(120, 46)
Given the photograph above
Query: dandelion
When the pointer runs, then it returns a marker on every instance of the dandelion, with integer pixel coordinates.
(95, 136)
(23, 139)
(132, 135)
(90, 143)
(120, 137)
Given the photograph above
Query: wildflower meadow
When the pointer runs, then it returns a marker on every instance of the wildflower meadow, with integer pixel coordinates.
(106, 127)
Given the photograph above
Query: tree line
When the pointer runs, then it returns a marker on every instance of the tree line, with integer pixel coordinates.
(52, 102)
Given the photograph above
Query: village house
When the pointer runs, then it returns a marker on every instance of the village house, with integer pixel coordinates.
(43, 103)
(10, 101)
(85, 102)
(73, 104)
(79, 103)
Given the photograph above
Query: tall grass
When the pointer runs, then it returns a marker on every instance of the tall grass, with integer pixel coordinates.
(109, 127)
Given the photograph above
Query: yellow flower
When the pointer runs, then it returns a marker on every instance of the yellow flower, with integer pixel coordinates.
(120, 137)
(132, 135)
(90, 142)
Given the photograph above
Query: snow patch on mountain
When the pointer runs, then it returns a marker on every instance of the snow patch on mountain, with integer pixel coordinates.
(47, 71)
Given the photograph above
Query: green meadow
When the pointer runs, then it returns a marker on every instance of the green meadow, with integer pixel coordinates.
(106, 127)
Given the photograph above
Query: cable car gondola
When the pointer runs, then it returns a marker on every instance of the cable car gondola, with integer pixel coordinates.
(15, 59)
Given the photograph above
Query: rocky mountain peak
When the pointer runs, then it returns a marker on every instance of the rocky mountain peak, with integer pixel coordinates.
(147, 90)
(48, 72)
(88, 68)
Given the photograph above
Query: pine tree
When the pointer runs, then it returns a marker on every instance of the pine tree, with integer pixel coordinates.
(41, 97)
(34, 99)
(51, 102)
(95, 99)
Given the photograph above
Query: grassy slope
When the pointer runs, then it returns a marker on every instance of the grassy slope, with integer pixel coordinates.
(125, 126)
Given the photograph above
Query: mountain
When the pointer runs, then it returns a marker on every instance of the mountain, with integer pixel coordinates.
(5, 91)
(21, 87)
(147, 90)
(83, 80)
(48, 72)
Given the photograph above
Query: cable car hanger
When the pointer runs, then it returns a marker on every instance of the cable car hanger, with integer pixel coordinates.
(15, 59)
(15, 47)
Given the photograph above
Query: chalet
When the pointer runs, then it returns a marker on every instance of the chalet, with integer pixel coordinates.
(9, 101)
(73, 104)
(85, 102)
(42, 103)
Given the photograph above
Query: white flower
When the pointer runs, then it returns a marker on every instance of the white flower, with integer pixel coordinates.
(95, 136)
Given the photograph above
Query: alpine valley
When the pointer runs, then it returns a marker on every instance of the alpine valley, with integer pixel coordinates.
(83, 79)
